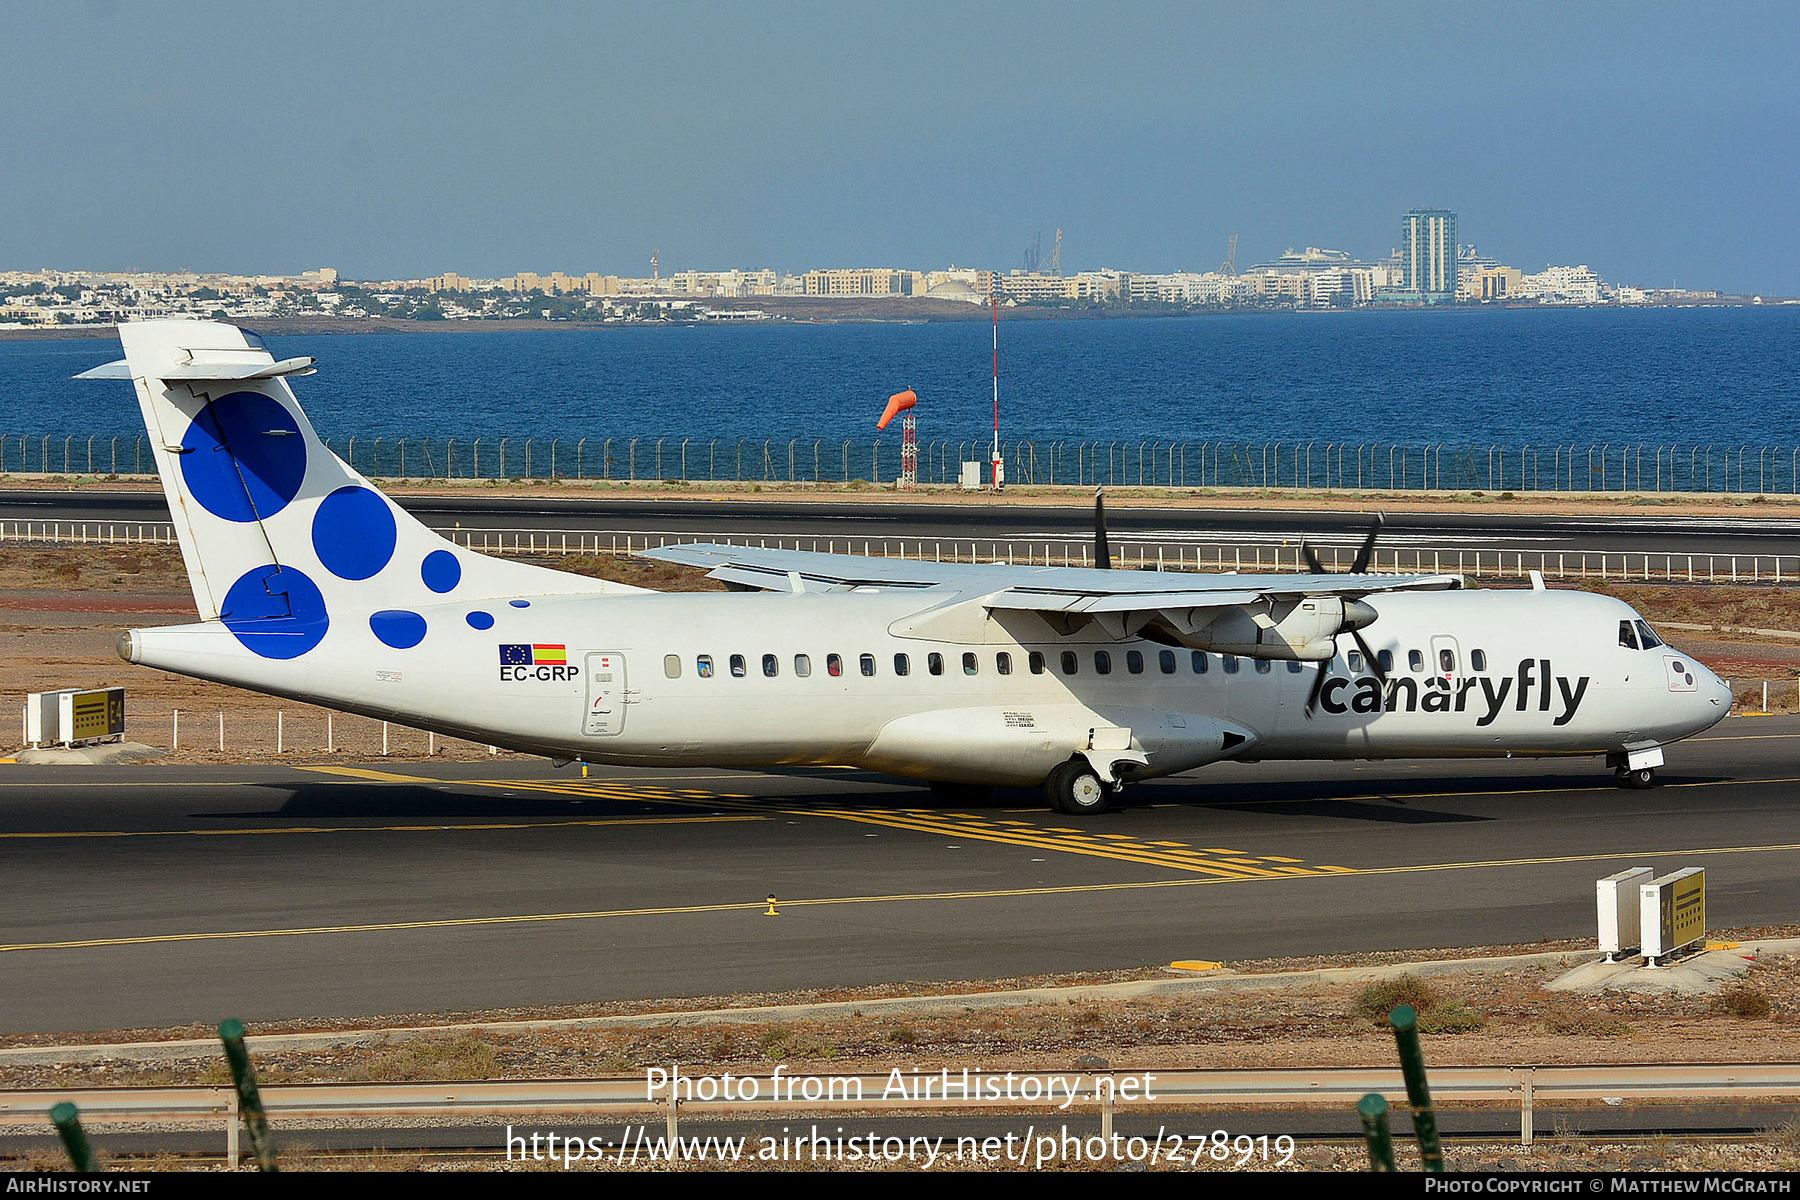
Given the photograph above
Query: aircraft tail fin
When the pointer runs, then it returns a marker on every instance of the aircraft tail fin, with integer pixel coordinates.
(273, 526)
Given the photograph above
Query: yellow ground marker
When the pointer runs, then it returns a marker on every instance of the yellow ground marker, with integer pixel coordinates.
(1195, 964)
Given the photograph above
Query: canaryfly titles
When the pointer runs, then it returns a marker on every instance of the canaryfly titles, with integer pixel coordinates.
(1533, 687)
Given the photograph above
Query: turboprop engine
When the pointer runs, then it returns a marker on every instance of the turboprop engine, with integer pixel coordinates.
(1303, 628)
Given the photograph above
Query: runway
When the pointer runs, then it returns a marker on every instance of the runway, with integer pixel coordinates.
(1628, 532)
(153, 896)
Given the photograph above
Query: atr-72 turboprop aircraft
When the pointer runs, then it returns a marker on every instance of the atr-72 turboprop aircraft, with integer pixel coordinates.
(312, 584)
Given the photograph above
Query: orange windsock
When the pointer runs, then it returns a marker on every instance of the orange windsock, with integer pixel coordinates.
(898, 403)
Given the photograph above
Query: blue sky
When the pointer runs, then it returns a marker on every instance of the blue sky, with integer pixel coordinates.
(1655, 142)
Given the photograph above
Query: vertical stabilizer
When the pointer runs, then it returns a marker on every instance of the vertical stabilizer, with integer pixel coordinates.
(277, 532)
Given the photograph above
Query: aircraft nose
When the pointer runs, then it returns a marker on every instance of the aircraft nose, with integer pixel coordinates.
(1714, 694)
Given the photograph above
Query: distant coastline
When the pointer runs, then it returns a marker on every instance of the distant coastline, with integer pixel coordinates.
(785, 310)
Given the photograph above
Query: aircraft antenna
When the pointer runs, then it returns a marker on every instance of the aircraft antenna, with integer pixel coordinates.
(999, 465)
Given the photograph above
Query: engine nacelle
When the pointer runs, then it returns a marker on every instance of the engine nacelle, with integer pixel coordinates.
(1304, 629)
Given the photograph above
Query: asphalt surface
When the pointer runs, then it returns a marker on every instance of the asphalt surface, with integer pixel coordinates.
(153, 896)
(1627, 532)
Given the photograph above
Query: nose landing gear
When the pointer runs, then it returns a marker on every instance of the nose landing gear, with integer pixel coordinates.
(1635, 765)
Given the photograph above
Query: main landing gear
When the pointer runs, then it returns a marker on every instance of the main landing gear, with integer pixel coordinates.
(1075, 789)
(1643, 777)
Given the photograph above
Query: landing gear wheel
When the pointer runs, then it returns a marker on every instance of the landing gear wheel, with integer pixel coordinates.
(1641, 778)
(961, 793)
(1075, 790)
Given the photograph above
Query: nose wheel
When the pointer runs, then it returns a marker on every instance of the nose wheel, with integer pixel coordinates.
(1076, 790)
(1643, 777)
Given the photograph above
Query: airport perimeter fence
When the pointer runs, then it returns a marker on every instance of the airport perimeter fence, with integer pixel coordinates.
(1173, 551)
(1185, 1095)
(1301, 466)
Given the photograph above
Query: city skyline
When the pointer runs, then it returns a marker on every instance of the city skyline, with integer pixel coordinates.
(404, 140)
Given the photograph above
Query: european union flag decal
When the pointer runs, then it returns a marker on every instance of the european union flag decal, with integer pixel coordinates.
(515, 656)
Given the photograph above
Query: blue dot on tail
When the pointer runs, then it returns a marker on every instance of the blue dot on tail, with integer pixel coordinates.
(440, 571)
(398, 628)
(243, 457)
(276, 612)
(520, 603)
(353, 533)
(480, 620)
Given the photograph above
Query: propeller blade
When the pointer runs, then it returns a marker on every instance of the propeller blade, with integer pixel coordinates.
(1364, 555)
(1312, 697)
(1369, 657)
(1102, 553)
(1312, 559)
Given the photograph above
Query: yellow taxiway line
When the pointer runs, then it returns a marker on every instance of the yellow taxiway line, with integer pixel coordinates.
(432, 828)
(759, 906)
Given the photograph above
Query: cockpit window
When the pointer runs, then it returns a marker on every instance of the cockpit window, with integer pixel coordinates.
(1648, 635)
(1628, 635)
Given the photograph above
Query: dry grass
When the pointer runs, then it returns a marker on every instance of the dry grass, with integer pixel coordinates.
(1722, 608)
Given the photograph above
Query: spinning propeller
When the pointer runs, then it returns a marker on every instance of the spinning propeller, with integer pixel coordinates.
(1102, 553)
(1363, 557)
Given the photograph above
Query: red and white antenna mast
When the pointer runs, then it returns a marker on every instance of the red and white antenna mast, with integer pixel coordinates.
(998, 463)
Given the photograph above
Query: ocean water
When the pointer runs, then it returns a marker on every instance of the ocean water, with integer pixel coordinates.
(1547, 377)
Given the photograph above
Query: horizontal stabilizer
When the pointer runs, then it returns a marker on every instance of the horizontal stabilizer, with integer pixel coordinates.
(117, 369)
(205, 371)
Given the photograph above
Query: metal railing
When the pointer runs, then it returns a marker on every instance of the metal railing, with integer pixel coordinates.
(1523, 1086)
(1142, 554)
(1296, 465)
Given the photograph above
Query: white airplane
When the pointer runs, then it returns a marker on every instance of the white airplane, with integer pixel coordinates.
(312, 584)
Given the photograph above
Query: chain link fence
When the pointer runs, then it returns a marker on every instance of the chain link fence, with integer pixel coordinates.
(1344, 466)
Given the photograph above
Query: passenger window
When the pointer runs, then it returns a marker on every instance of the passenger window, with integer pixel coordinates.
(1478, 660)
(672, 666)
(802, 665)
(1036, 662)
(834, 665)
(970, 664)
(1200, 663)
(703, 666)
(1415, 659)
(1102, 663)
(1166, 660)
(738, 669)
(1070, 664)
(867, 663)
(1293, 667)
(1354, 658)
(771, 666)
(1386, 659)
(1627, 635)
(1447, 661)
(902, 665)
(1262, 666)
(1003, 663)
(934, 662)
(1134, 662)
(1230, 662)
(1651, 641)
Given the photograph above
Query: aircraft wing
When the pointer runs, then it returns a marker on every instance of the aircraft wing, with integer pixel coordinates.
(1261, 616)
(1054, 589)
